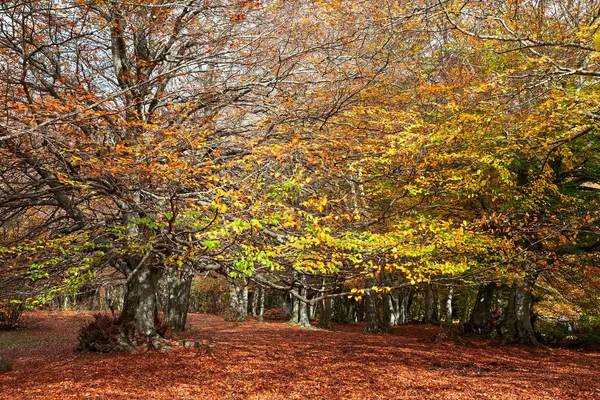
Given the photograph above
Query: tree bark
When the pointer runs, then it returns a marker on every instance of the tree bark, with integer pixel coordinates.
(374, 323)
(325, 318)
(386, 304)
(303, 319)
(179, 283)
(405, 300)
(139, 305)
(449, 305)
(480, 321)
(431, 306)
(294, 309)
(515, 324)
(238, 299)
(261, 305)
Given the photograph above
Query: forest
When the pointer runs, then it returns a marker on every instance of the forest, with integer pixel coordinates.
(279, 199)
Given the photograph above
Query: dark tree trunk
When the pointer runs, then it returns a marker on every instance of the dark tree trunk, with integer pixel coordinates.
(179, 284)
(139, 305)
(388, 317)
(340, 309)
(480, 321)
(374, 323)
(431, 306)
(325, 318)
(404, 303)
(515, 324)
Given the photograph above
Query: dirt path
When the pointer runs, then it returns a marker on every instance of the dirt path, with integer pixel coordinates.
(277, 361)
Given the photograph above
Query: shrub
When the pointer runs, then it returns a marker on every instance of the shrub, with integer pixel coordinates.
(104, 335)
(10, 314)
(558, 332)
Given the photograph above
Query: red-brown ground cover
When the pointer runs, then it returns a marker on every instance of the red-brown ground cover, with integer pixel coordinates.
(278, 361)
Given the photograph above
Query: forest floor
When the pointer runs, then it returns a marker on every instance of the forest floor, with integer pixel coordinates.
(277, 361)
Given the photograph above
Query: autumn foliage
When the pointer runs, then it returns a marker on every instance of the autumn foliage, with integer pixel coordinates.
(378, 161)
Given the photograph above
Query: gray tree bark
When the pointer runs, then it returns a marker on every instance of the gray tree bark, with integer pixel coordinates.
(179, 284)
(515, 324)
(294, 309)
(449, 305)
(261, 305)
(303, 319)
(139, 305)
(238, 299)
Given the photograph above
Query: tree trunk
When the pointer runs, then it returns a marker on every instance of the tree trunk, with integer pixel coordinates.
(404, 297)
(303, 319)
(515, 324)
(254, 302)
(431, 306)
(261, 305)
(325, 318)
(238, 299)
(386, 303)
(139, 305)
(480, 321)
(294, 309)
(179, 283)
(374, 324)
(449, 305)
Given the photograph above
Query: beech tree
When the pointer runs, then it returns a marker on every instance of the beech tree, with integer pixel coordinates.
(326, 149)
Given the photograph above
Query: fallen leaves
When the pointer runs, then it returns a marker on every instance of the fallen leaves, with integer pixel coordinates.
(250, 360)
